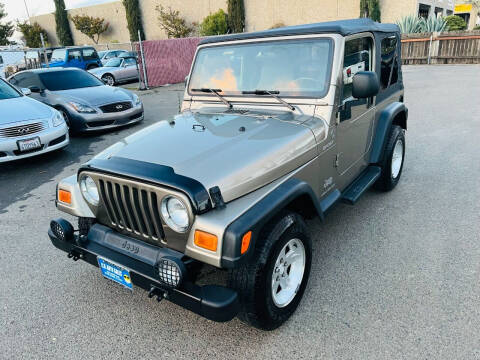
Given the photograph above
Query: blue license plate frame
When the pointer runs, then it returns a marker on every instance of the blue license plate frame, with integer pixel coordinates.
(115, 272)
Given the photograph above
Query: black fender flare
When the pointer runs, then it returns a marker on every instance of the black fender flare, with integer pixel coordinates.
(382, 130)
(255, 218)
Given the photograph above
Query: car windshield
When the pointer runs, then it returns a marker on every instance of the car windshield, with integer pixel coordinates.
(68, 79)
(7, 92)
(115, 62)
(294, 68)
(59, 54)
(101, 53)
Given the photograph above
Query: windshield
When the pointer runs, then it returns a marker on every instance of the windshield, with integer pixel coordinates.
(115, 62)
(59, 54)
(101, 53)
(7, 92)
(64, 80)
(294, 68)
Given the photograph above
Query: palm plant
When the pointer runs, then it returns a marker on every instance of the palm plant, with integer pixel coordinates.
(432, 24)
(409, 24)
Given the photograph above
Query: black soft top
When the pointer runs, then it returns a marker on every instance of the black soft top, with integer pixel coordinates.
(342, 27)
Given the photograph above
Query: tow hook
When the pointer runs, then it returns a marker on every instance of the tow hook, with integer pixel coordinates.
(159, 293)
(75, 255)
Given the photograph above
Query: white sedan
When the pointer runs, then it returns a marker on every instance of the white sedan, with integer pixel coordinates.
(28, 127)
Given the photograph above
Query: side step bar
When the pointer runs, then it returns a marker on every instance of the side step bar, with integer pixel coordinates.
(361, 184)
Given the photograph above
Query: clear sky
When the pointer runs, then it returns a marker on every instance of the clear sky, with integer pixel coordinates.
(16, 8)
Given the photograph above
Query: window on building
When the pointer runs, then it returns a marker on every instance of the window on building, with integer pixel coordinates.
(438, 12)
(449, 12)
(358, 57)
(389, 64)
(423, 10)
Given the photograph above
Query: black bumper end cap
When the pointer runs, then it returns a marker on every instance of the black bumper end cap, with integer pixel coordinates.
(219, 303)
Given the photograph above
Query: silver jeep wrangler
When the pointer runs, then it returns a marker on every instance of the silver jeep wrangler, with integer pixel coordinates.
(276, 126)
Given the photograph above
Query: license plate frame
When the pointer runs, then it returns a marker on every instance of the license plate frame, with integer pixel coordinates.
(115, 272)
(35, 141)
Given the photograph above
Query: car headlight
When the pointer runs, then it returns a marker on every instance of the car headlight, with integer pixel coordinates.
(89, 190)
(175, 213)
(81, 108)
(58, 119)
(136, 99)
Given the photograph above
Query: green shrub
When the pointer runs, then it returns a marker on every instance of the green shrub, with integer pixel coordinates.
(174, 25)
(31, 33)
(134, 19)
(455, 23)
(214, 24)
(64, 33)
(236, 16)
(432, 24)
(476, 27)
(409, 24)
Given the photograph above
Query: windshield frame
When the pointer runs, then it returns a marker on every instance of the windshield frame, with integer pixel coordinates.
(307, 38)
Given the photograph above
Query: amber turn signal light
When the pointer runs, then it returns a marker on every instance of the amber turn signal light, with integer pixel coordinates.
(205, 240)
(246, 242)
(64, 196)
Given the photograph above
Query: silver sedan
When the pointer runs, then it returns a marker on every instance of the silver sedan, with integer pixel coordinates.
(28, 127)
(86, 103)
(117, 70)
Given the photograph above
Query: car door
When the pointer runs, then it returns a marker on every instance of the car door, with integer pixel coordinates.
(30, 81)
(356, 117)
(74, 59)
(130, 68)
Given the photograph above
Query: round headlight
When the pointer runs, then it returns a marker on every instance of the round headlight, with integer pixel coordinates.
(175, 213)
(89, 190)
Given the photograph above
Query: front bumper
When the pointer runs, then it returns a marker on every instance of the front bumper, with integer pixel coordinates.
(51, 139)
(83, 122)
(213, 302)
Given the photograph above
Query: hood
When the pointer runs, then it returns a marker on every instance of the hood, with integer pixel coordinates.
(236, 152)
(23, 108)
(95, 95)
(102, 70)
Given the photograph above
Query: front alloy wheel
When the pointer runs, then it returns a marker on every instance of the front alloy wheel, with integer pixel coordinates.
(108, 79)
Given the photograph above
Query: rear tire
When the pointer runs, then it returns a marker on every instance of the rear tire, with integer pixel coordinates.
(260, 284)
(393, 158)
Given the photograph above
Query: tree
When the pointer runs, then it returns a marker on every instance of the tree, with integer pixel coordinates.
(6, 30)
(370, 9)
(214, 24)
(31, 34)
(455, 23)
(174, 25)
(64, 33)
(134, 19)
(91, 26)
(236, 16)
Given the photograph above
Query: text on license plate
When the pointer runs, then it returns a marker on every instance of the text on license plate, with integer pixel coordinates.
(29, 144)
(115, 272)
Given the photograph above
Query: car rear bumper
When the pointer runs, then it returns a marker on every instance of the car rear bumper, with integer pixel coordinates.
(51, 139)
(213, 302)
(103, 121)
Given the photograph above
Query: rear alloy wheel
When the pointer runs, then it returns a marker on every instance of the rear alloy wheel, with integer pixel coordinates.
(393, 158)
(108, 79)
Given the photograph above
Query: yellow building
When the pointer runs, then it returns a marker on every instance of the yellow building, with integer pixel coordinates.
(470, 13)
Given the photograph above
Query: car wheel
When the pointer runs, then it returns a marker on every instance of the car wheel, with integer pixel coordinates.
(108, 79)
(272, 284)
(65, 116)
(394, 156)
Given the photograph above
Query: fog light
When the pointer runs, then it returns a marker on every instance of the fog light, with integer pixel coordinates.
(171, 271)
(62, 229)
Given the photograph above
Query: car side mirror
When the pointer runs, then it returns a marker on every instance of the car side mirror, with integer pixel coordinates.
(26, 91)
(34, 89)
(365, 85)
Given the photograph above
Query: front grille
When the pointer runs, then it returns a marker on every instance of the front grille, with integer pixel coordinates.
(132, 208)
(116, 107)
(22, 130)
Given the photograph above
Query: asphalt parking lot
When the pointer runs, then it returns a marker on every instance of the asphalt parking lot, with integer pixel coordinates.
(396, 276)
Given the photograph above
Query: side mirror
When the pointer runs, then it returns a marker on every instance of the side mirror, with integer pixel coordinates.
(365, 85)
(26, 91)
(34, 89)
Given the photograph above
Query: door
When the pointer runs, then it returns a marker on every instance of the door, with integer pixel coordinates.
(356, 116)
(130, 68)
(74, 59)
(30, 81)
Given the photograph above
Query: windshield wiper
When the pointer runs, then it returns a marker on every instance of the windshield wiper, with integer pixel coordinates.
(215, 92)
(272, 93)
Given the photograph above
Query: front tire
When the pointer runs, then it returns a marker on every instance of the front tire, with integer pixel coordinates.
(108, 79)
(272, 284)
(393, 158)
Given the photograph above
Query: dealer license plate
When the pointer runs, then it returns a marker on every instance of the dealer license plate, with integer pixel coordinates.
(115, 272)
(29, 144)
